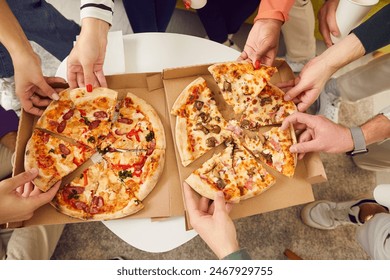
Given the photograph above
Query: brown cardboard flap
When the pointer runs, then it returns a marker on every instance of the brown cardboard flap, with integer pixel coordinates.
(315, 169)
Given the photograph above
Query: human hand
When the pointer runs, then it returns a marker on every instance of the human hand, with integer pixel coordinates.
(262, 42)
(212, 222)
(327, 21)
(306, 88)
(319, 134)
(19, 198)
(32, 88)
(85, 61)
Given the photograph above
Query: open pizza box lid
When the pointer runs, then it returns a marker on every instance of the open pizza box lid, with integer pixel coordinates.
(161, 90)
(287, 191)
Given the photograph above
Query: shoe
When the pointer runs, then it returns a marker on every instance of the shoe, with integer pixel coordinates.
(326, 215)
(329, 106)
(8, 98)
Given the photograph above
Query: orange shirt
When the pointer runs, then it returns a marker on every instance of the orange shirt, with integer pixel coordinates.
(275, 9)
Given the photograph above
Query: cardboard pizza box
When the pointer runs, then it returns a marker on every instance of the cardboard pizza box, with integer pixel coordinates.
(166, 200)
(162, 201)
(287, 191)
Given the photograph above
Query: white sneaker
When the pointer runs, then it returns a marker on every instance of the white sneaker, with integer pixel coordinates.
(327, 215)
(329, 106)
(8, 98)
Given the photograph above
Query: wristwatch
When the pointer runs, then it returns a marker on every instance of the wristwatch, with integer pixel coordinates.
(359, 143)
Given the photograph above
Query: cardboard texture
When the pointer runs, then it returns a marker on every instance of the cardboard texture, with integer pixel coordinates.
(287, 191)
(161, 90)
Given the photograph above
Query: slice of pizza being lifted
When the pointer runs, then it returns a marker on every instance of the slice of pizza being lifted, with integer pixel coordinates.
(199, 124)
(239, 82)
(273, 148)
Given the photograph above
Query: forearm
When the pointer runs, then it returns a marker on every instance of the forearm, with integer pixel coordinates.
(344, 52)
(11, 33)
(374, 33)
(271, 9)
(376, 130)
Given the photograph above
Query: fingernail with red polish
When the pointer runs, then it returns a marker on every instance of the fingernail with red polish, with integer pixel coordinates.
(89, 88)
(187, 5)
(257, 64)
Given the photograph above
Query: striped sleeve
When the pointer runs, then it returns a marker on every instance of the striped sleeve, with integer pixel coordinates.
(101, 9)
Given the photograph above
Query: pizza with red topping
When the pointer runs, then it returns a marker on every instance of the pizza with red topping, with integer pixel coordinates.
(112, 149)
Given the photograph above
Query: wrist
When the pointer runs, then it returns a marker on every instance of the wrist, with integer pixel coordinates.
(94, 26)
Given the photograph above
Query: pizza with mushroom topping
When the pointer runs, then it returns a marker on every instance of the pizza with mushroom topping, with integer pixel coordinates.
(199, 125)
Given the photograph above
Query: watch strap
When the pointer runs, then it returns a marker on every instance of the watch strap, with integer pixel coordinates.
(359, 142)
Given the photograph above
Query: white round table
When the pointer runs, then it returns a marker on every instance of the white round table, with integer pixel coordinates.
(153, 52)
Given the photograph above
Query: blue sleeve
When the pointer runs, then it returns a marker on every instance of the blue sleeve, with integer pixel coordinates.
(9, 121)
(374, 33)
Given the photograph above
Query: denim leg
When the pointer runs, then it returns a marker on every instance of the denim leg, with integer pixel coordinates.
(43, 24)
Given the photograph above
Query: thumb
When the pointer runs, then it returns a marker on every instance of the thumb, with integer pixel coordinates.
(43, 198)
(219, 204)
(294, 91)
(47, 90)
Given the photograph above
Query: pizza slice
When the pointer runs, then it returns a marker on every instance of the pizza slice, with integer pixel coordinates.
(199, 124)
(97, 194)
(267, 108)
(239, 82)
(54, 158)
(74, 199)
(273, 148)
(251, 177)
(137, 170)
(216, 174)
(80, 115)
(138, 126)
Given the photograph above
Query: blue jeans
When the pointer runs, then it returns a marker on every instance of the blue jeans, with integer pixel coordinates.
(43, 24)
(149, 15)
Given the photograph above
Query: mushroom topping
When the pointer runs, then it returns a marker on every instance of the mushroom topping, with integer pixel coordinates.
(211, 142)
(205, 117)
(227, 86)
(220, 184)
(198, 104)
(245, 124)
(199, 126)
(216, 129)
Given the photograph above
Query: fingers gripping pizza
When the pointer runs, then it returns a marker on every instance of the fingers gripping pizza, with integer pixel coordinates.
(81, 125)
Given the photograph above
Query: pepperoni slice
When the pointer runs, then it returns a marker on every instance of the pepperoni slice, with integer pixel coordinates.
(68, 115)
(64, 150)
(125, 120)
(100, 114)
(94, 124)
(61, 126)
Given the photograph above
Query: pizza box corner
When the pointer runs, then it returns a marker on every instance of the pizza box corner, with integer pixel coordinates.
(161, 90)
